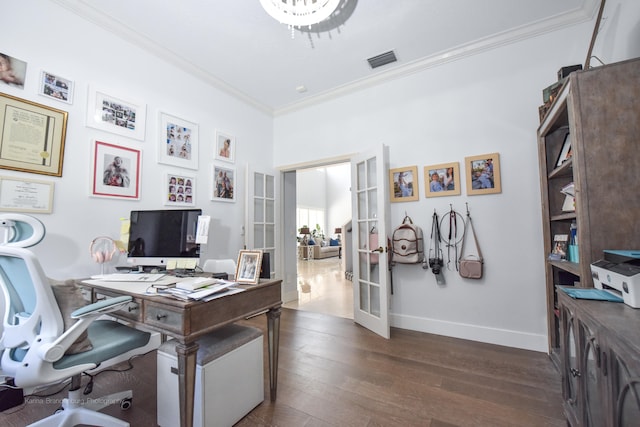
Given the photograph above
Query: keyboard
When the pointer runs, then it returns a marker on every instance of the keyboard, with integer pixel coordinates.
(129, 277)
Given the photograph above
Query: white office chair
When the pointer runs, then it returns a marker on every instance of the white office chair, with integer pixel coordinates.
(34, 343)
(220, 266)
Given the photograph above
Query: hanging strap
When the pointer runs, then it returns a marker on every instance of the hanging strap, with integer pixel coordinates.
(469, 223)
(435, 236)
(453, 237)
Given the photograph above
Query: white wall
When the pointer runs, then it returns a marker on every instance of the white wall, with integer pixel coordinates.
(477, 105)
(49, 37)
(481, 104)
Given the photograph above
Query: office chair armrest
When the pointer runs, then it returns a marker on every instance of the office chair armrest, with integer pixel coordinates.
(103, 306)
(52, 352)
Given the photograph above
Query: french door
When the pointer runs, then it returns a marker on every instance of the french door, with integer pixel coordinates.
(370, 220)
(260, 219)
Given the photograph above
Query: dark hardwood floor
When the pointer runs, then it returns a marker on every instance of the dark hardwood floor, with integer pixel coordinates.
(336, 373)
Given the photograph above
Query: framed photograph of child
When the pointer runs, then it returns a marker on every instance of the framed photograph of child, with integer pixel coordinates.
(442, 180)
(483, 174)
(225, 147)
(248, 266)
(178, 142)
(403, 184)
(116, 171)
(181, 190)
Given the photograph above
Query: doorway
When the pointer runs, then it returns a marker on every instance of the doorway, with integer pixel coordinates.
(323, 204)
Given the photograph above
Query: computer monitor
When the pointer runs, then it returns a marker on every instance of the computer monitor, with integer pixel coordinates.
(157, 237)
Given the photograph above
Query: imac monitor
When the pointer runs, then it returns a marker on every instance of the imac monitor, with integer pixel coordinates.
(159, 236)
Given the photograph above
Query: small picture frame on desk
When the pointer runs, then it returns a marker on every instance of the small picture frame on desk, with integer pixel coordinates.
(248, 266)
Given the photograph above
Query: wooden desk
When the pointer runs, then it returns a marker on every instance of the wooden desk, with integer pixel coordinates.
(186, 321)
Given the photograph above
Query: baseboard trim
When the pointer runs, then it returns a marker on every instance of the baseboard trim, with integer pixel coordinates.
(505, 337)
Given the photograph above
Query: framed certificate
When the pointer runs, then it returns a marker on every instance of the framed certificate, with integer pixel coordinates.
(25, 195)
(33, 136)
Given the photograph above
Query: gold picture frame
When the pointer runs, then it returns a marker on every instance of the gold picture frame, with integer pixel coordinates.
(483, 174)
(248, 266)
(442, 180)
(32, 136)
(403, 183)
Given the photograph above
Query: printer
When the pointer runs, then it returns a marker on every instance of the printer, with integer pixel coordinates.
(619, 273)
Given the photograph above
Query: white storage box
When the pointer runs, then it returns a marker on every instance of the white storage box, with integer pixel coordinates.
(229, 378)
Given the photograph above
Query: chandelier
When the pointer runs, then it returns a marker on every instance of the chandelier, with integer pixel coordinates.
(299, 13)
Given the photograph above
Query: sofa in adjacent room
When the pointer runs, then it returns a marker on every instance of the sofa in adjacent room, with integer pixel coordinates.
(326, 249)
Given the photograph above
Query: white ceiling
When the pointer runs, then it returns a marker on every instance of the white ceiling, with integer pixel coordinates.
(237, 47)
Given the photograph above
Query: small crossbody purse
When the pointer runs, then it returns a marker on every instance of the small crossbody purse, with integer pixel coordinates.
(471, 266)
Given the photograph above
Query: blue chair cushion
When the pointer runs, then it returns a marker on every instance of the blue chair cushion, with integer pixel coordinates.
(110, 339)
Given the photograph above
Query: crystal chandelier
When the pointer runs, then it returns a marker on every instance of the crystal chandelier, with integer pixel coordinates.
(299, 13)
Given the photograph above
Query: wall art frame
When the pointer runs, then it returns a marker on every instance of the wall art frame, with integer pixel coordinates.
(116, 171)
(15, 71)
(178, 142)
(442, 180)
(225, 147)
(223, 183)
(19, 194)
(483, 174)
(248, 266)
(180, 190)
(55, 87)
(403, 184)
(33, 136)
(117, 115)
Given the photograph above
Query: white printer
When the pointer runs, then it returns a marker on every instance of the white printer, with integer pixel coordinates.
(619, 273)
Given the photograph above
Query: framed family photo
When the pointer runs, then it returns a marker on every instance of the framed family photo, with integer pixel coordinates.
(181, 190)
(32, 136)
(178, 142)
(225, 147)
(248, 266)
(442, 180)
(403, 183)
(116, 171)
(483, 174)
(56, 87)
(116, 115)
(223, 184)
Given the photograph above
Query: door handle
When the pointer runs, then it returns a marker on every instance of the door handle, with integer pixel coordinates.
(380, 249)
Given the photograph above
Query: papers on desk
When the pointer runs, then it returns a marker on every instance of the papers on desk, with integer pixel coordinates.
(207, 293)
(129, 277)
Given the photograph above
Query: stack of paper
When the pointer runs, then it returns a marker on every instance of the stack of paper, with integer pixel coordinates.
(569, 191)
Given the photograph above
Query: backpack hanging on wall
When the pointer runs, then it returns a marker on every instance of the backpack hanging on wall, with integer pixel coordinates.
(407, 243)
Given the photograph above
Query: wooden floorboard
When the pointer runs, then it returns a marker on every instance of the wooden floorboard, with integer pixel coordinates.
(333, 372)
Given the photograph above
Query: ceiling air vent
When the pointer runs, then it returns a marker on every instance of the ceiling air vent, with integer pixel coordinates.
(382, 59)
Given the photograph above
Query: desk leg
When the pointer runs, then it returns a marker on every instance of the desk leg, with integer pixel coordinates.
(186, 380)
(273, 330)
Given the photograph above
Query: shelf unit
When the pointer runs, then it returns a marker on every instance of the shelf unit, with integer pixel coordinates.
(600, 109)
(600, 362)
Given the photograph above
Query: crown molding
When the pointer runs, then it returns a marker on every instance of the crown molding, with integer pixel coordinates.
(574, 17)
(114, 26)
